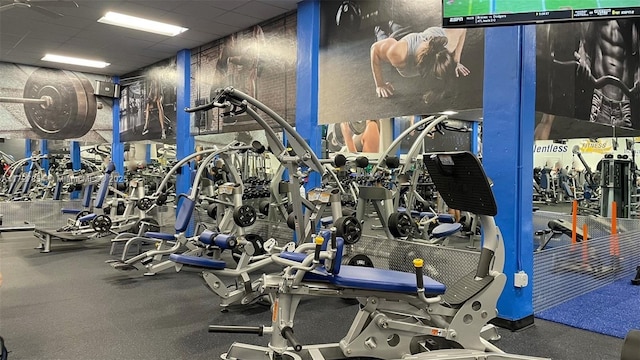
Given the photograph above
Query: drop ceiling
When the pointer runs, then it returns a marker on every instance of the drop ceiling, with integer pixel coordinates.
(26, 35)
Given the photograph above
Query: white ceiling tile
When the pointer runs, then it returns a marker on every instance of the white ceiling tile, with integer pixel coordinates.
(78, 31)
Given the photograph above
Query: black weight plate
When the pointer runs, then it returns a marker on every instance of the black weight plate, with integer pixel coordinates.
(152, 226)
(348, 228)
(358, 127)
(264, 207)
(212, 211)
(120, 209)
(244, 216)
(360, 260)
(101, 223)
(66, 105)
(258, 246)
(83, 125)
(400, 224)
(291, 221)
(144, 204)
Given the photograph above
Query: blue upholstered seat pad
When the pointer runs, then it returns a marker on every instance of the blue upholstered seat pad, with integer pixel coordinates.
(159, 235)
(71, 211)
(327, 220)
(198, 261)
(446, 218)
(366, 278)
(293, 256)
(444, 230)
(87, 217)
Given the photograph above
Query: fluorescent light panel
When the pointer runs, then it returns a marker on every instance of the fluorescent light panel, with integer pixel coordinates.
(75, 61)
(136, 23)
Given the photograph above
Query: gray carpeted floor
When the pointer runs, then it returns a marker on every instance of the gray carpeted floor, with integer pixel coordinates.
(69, 304)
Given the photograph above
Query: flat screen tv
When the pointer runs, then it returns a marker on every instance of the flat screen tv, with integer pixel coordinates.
(480, 13)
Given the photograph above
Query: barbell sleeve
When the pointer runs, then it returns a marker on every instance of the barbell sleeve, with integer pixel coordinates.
(45, 100)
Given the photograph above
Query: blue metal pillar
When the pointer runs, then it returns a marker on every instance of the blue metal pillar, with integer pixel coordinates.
(509, 115)
(307, 79)
(76, 164)
(475, 129)
(147, 156)
(27, 148)
(44, 150)
(185, 143)
(117, 147)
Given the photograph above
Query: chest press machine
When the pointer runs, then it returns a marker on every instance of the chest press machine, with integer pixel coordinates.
(401, 315)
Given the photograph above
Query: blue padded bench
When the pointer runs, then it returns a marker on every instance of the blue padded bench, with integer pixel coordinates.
(159, 235)
(293, 256)
(326, 221)
(88, 217)
(365, 278)
(446, 218)
(198, 261)
(86, 201)
(444, 230)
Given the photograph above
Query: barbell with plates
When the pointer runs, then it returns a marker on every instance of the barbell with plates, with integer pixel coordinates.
(58, 104)
(101, 223)
(244, 216)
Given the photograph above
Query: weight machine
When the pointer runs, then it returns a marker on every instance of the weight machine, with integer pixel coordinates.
(401, 315)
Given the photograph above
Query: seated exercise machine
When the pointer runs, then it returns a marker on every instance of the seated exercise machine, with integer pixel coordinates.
(166, 244)
(401, 315)
(250, 258)
(86, 224)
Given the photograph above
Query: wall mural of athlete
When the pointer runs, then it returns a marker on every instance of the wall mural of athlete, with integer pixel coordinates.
(590, 71)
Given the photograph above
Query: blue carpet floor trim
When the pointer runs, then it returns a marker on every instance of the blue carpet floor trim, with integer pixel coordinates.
(611, 310)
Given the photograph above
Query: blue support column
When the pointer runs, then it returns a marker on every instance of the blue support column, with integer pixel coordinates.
(185, 143)
(28, 151)
(27, 148)
(307, 79)
(396, 130)
(44, 150)
(76, 164)
(147, 156)
(117, 147)
(509, 115)
(474, 137)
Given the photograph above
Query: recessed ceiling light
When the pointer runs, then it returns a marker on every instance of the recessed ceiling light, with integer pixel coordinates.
(136, 23)
(75, 61)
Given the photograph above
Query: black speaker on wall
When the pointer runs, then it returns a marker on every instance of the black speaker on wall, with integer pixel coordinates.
(107, 89)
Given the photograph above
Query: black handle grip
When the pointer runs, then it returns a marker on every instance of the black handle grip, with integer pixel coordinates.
(316, 255)
(258, 330)
(287, 333)
(200, 107)
(419, 276)
(334, 236)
